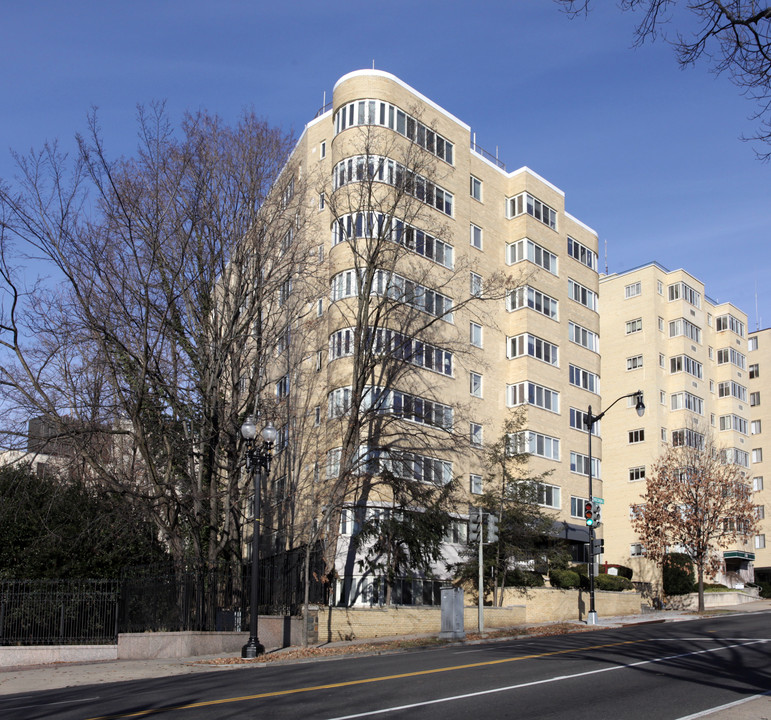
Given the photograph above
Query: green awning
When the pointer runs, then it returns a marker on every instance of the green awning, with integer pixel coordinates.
(739, 554)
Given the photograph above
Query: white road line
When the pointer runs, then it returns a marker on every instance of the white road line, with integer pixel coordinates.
(480, 693)
(41, 705)
(727, 706)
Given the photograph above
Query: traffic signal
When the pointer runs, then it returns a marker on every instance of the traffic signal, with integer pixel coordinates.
(589, 513)
(597, 512)
(474, 527)
(492, 528)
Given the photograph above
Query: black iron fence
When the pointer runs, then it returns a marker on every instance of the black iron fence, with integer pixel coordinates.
(56, 612)
(153, 599)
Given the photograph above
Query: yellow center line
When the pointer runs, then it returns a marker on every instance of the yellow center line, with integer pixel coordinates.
(364, 681)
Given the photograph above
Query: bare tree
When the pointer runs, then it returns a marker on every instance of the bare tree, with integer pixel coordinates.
(698, 501)
(167, 273)
(734, 36)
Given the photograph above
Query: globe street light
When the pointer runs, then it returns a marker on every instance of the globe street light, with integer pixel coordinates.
(257, 463)
(590, 421)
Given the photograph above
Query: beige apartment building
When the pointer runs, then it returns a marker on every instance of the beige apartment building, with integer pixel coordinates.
(469, 227)
(663, 335)
(759, 372)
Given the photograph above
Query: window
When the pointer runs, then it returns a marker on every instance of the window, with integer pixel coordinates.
(729, 322)
(584, 337)
(282, 387)
(637, 473)
(580, 464)
(757, 455)
(577, 506)
(578, 422)
(754, 371)
(582, 294)
(681, 326)
(322, 201)
(475, 384)
(636, 550)
(661, 324)
(475, 484)
(760, 512)
(475, 285)
(475, 334)
(526, 249)
(346, 284)
(755, 427)
(634, 363)
(475, 433)
(662, 360)
(476, 188)
(532, 298)
(534, 443)
(680, 290)
(526, 203)
(662, 397)
(663, 434)
(752, 344)
(548, 495)
(659, 287)
(528, 393)
(582, 253)
(319, 307)
(726, 355)
(757, 483)
(318, 360)
(584, 379)
(735, 456)
(475, 236)
(366, 168)
(536, 347)
(284, 291)
(632, 290)
(732, 389)
(684, 363)
(317, 415)
(733, 422)
(687, 401)
(688, 438)
(323, 149)
(633, 326)
(378, 112)
(636, 436)
(379, 226)
(755, 399)
(760, 542)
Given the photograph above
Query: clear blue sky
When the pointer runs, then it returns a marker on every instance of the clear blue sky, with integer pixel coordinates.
(647, 154)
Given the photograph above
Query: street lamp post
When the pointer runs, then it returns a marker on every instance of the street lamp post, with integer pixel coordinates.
(257, 463)
(590, 421)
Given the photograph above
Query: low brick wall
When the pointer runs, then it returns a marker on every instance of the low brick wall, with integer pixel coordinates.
(337, 623)
(555, 605)
(711, 600)
(273, 631)
(22, 655)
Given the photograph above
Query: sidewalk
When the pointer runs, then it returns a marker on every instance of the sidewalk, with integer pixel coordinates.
(50, 677)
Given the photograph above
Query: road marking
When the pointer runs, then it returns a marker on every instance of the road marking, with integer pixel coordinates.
(40, 705)
(538, 682)
(419, 673)
(727, 706)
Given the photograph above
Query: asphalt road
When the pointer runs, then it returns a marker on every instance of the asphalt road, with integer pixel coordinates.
(666, 671)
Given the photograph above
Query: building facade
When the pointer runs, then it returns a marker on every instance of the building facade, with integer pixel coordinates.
(488, 280)
(759, 372)
(663, 335)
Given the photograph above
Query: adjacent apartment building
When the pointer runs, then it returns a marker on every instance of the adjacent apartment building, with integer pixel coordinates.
(759, 373)
(663, 335)
(479, 280)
